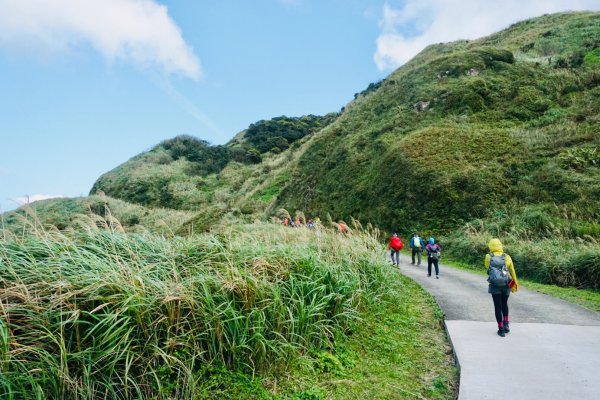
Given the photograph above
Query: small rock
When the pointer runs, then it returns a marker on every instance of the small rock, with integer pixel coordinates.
(421, 106)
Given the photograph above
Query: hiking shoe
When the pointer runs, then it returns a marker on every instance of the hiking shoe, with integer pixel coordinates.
(437, 277)
(429, 275)
(501, 332)
(506, 327)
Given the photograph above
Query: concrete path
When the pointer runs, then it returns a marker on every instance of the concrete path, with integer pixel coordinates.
(552, 351)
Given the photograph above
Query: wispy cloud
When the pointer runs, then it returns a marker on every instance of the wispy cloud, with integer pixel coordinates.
(138, 31)
(35, 197)
(409, 28)
(189, 107)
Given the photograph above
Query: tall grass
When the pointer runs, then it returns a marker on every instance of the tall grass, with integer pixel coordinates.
(97, 313)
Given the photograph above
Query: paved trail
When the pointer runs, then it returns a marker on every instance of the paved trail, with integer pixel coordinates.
(552, 351)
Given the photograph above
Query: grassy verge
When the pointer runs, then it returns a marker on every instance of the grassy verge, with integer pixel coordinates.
(399, 350)
(588, 298)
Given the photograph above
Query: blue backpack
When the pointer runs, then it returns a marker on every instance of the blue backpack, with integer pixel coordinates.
(497, 272)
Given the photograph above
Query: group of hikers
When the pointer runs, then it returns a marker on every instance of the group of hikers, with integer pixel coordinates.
(285, 221)
(417, 245)
(341, 226)
(502, 278)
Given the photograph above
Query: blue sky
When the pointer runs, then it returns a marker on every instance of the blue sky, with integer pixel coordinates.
(86, 85)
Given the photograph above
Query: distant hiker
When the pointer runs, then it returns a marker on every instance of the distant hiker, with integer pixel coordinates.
(343, 227)
(416, 244)
(286, 221)
(502, 281)
(433, 257)
(395, 246)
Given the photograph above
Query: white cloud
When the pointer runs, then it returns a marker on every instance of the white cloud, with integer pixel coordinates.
(407, 30)
(139, 31)
(30, 199)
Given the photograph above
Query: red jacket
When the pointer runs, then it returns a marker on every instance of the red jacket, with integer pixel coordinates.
(395, 243)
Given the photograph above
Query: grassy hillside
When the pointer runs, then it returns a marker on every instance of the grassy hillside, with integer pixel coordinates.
(75, 213)
(469, 140)
(512, 133)
(256, 311)
(188, 173)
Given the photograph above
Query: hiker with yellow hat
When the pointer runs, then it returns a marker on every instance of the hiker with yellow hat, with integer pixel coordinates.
(502, 280)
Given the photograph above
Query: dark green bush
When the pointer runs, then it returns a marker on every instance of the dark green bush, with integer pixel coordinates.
(282, 131)
(490, 54)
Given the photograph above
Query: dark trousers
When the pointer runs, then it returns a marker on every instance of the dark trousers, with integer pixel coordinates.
(500, 306)
(435, 262)
(417, 251)
(397, 253)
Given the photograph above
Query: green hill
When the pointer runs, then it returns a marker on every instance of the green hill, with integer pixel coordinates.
(511, 132)
(469, 140)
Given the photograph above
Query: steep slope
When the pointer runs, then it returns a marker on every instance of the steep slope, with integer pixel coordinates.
(465, 128)
(495, 137)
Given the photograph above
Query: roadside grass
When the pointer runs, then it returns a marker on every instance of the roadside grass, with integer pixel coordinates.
(587, 298)
(396, 350)
(399, 350)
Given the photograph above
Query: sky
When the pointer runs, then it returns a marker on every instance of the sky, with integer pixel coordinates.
(87, 84)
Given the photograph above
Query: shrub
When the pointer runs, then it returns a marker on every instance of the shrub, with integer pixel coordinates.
(581, 157)
(282, 131)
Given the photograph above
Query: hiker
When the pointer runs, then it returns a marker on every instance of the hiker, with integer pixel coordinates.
(416, 244)
(285, 221)
(343, 227)
(502, 281)
(434, 251)
(395, 246)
